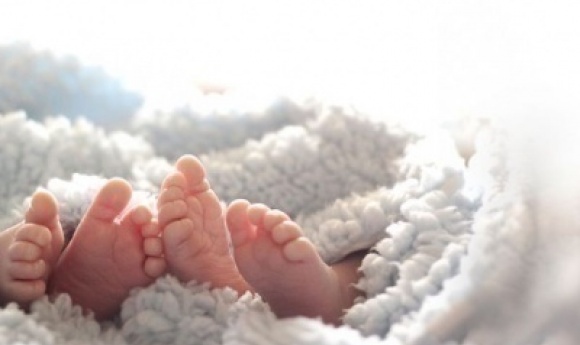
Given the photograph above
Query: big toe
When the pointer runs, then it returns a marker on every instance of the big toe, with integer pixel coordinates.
(110, 201)
(238, 223)
(194, 173)
(43, 210)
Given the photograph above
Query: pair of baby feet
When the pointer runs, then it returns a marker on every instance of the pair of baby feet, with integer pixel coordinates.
(250, 247)
(110, 253)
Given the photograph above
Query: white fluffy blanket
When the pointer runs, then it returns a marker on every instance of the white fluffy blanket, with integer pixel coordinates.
(449, 246)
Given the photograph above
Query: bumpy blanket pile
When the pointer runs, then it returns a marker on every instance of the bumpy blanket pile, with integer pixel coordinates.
(484, 253)
(350, 182)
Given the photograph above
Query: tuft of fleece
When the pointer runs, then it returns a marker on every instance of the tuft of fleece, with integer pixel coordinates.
(169, 312)
(301, 169)
(56, 322)
(32, 153)
(225, 124)
(517, 284)
(68, 325)
(16, 327)
(422, 246)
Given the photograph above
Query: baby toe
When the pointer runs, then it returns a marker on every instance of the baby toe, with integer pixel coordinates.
(33, 233)
(237, 221)
(43, 208)
(194, 173)
(237, 210)
(154, 267)
(24, 251)
(24, 270)
(273, 218)
(171, 212)
(140, 215)
(173, 188)
(256, 213)
(286, 231)
(109, 202)
(24, 291)
(301, 249)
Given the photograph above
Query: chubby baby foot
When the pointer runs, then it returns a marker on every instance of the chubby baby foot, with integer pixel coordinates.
(29, 251)
(282, 265)
(195, 238)
(111, 252)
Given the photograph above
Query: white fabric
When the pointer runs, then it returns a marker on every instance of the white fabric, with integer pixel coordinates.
(435, 232)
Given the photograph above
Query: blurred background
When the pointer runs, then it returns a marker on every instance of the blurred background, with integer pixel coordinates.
(420, 61)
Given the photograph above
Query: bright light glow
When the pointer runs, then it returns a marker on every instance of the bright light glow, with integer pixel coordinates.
(419, 60)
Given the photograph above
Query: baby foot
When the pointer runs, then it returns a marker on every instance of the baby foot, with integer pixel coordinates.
(111, 252)
(282, 265)
(195, 238)
(29, 250)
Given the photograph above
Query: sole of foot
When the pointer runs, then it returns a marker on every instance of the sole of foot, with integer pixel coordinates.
(111, 252)
(281, 264)
(192, 222)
